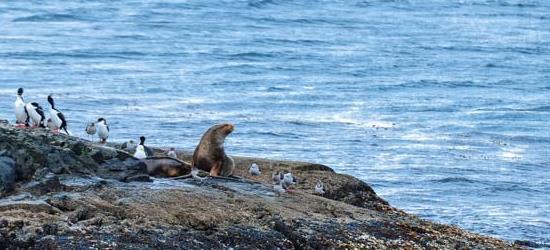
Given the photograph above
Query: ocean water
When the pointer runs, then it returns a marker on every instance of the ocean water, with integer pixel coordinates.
(442, 106)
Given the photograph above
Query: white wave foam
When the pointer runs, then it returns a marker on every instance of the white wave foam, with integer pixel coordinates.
(512, 154)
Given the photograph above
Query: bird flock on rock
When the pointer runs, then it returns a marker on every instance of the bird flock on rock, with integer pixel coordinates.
(32, 115)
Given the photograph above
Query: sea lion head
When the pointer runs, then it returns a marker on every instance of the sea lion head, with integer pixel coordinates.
(221, 131)
(227, 128)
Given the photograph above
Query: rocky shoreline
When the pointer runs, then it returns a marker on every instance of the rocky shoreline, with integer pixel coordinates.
(62, 192)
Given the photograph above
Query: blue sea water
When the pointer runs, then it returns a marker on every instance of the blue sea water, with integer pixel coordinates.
(443, 106)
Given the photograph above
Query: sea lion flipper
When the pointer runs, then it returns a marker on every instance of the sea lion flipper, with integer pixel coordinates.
(228, 166)
(216, 169)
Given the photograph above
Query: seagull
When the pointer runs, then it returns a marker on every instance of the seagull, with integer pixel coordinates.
(279, 189)
(275, 177)
(129, 146)
(102, 130)
(319, 187)
(58, 119)
(254, 170)
(140, 150)
(195, 174)
(21, 116)
(288, 180)
(91, 129)
(172, 153)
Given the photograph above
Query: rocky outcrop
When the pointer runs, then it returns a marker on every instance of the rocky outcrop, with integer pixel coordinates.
(7, 174)
(69, 193)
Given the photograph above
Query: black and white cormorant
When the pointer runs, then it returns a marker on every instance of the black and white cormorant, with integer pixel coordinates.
(102, 130)
(21, 116)
(58, 119)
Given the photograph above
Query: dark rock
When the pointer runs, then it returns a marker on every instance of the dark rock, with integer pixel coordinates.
(358, 194)
(60, 163)
(531, 244)
(80, 148)
(313, 167)
(34, 206)
(7, 175)
(46, 184)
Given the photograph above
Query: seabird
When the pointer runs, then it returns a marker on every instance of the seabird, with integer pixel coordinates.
(91, 130)
(36, 114)
(129, 146)
(279, 189)
(58, 119)
(195, 174)
(102, 130)
(276, 178)
(172, 153)
(319, 187)
(254, 170)
(288, 180)
(21, 116)
(140, 150)
(149, 151)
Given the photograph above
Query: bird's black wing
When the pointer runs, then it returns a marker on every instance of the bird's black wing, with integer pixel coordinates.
(148, 151)
(28, 116)
(63, 122)
(40, 111)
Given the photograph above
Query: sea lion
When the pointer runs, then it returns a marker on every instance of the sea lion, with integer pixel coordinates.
(166, 167)
(210, 155)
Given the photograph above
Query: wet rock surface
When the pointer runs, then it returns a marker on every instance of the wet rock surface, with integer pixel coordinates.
(69, 193)
(7, 174)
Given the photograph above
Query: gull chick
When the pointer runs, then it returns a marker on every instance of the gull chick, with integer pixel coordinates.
(254, 170)
(319, 187)
(288, 180)
(276, 177)
(129, 146)
(91, 130)
(279, 189)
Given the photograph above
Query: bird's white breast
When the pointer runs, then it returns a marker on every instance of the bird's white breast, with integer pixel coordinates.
(35, 116)
(102, 131)
(55, 118)
(20, 114)
(140, 152)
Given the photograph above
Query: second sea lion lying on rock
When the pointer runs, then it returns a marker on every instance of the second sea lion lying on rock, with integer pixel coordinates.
(210, 155)
(166, 167)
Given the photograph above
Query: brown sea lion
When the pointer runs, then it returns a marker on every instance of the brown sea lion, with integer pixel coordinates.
(166, 167)
(210, 155)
